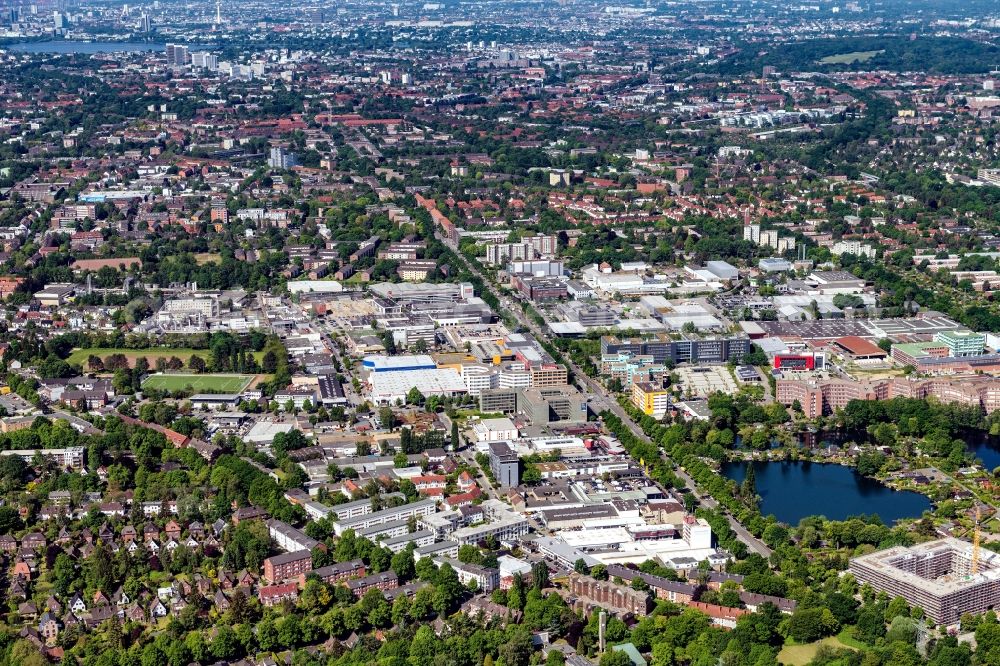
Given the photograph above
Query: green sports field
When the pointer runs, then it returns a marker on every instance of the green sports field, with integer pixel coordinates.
(198, 383)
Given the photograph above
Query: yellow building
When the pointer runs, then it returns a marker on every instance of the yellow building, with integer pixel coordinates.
(650, 398)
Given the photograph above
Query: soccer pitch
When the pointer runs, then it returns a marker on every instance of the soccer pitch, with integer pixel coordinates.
(198, 383)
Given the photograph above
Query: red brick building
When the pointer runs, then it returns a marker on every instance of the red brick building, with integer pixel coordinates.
(287, 565)
(336, 573)
(272, 595)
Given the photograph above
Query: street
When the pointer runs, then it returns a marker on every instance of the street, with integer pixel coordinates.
(602, 399)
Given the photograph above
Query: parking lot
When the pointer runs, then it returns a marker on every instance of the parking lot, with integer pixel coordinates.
(705, 380)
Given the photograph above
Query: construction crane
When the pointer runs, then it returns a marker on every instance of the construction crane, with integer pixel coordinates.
(975, 545)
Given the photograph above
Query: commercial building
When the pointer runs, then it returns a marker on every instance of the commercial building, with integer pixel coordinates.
(662, 349)
(540, 288)
(936, 576)
(722, 270)
(423, 292)
(547, 374)
(498, 401)
(628, 538)
(962, 343)
(651, 398)
(935, 358)
(921, 327)
(799, 362)
(398, 363)
(391, 386)
(298, 396)
(478, 378)
(504, 464)
(495, 430)
(552, 404)
(859, 349)
(774, 265)
(542, 370)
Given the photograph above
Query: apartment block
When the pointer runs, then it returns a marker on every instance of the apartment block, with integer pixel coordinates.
(287, 565)
(365, 521)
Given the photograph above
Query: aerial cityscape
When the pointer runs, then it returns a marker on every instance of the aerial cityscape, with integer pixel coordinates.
(451, 333)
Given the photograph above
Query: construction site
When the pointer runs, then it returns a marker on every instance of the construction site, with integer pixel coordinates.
(946, 577)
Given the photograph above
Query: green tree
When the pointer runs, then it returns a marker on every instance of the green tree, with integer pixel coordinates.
(414, 397)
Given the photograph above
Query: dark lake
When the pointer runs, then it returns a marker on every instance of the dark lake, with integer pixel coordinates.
(984, 446)
(794, 490)
(58, 46)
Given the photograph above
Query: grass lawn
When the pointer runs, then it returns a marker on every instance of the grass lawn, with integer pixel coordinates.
(203, 258)
(846, 636)
(800, 655)
(199, 383)
(79, 356)
(848, 58)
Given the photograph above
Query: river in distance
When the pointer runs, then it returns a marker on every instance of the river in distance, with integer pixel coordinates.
(58, 46)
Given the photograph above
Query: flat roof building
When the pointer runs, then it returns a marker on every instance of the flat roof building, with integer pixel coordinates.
(398, 363)
(962, 343)
(559, 403)
(368, 520)
(859, 349)
(504, 464)
(389, 386)
(936, 576)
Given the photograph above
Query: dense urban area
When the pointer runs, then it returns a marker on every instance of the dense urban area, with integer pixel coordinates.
(499, 333)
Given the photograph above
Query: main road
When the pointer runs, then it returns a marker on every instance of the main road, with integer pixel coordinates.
(602, 399)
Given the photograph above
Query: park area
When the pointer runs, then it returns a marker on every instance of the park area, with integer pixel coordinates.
(214, 383)
(801, 654)
(849, 58)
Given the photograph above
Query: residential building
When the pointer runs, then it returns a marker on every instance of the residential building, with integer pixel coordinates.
(287, 565)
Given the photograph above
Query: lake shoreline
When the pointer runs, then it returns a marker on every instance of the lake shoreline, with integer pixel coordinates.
(836, 482)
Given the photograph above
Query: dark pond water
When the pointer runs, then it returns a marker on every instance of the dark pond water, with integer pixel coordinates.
(985, 447)
(794, 490)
